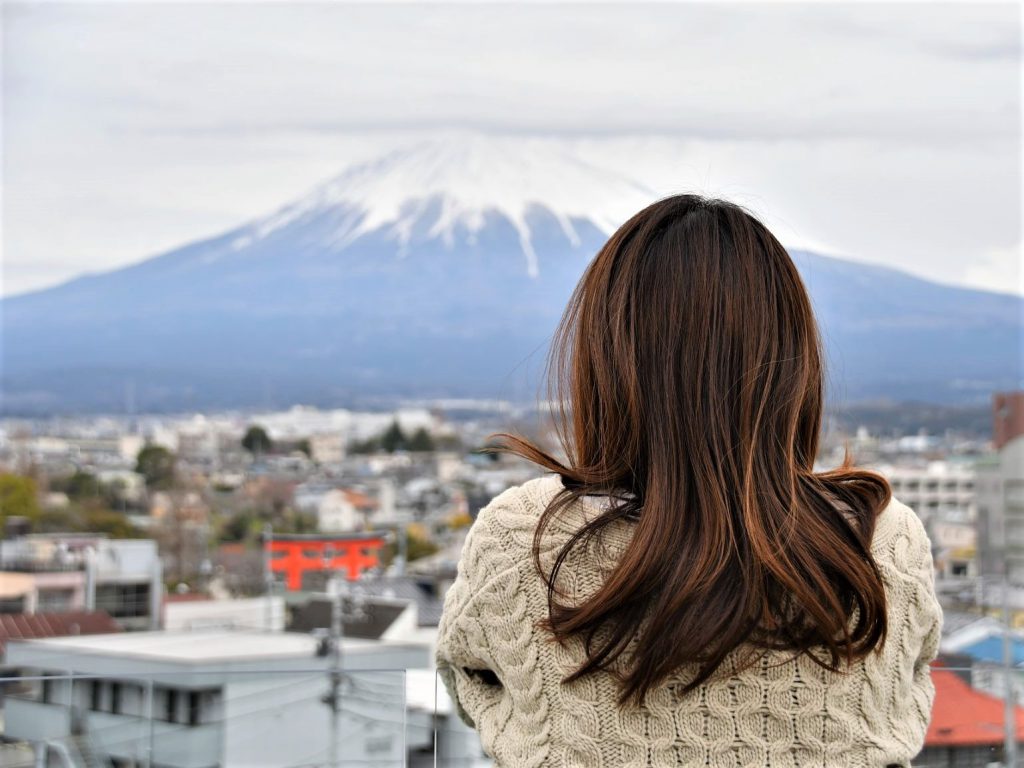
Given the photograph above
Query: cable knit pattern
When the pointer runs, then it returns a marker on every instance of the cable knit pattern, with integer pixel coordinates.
(505, 676)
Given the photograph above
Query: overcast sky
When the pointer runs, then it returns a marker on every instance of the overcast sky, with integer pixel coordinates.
(881, 132)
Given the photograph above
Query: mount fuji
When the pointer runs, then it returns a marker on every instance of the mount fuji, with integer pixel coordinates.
(436, 270)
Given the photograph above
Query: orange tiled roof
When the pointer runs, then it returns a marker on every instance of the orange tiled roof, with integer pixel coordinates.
(963, 716)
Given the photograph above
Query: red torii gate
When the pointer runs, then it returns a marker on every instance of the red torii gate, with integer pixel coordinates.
(295, 554)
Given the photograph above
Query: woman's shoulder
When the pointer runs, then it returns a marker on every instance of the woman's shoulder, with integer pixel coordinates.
(518, 508)
(900, 540)
(513, 515)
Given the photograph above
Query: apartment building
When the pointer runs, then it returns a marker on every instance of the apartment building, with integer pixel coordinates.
(214, 698)
(1000, 492)
(59, 572)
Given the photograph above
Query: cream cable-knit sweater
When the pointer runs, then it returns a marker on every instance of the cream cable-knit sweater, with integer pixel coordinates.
(777, 713)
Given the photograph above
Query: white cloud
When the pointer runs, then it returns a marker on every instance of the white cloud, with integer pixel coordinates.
(887, 132)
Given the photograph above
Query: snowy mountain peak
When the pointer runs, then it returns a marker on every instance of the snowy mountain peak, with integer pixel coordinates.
(457, 181)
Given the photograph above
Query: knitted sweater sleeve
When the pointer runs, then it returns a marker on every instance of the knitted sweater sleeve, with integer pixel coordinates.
(482, 596)
(926, 620)
(898, 692)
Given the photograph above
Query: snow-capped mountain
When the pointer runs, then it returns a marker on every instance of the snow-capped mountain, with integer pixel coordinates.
(438, 269)
(450, 189)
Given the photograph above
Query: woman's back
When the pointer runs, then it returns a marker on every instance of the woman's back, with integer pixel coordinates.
(730, 604)
(783, 709)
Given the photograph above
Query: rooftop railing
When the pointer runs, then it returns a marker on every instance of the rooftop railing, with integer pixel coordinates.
(308, 717)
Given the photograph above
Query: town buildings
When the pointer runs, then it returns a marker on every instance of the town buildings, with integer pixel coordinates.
(63, 572)
(212, 698)
(1000, 492)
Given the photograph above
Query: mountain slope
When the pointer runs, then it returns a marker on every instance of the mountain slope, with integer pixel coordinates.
(435, 270)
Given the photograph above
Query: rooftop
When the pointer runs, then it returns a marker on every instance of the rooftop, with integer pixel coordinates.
(963, 716)
(199, 646)
(34, 626)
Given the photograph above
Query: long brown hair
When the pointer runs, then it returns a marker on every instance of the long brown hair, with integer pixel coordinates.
(688, 388)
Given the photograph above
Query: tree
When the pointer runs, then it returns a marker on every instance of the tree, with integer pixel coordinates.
(18, 497)
(80, 485)
(418, 545)
(393, 438)
(241, 526)
(371, 445)
(421, 441)
(257, 441)
(114, 524)
(156, 464)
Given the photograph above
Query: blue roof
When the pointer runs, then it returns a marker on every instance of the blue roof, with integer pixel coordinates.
(991, 649)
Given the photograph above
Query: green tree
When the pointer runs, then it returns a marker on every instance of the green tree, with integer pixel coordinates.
(114, 524)
(448, 443)
(241, 526)
(256, 440)
(57, 520)
(18, 497)
(421, 441)
(394, 438)
(417, 546)
(156, 464)
(80, 485)
(372, 445)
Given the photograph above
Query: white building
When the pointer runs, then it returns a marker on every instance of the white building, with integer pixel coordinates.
(204, 699)
(1001, 510)
(327, 448)
(260, 613)
(70, 571)
(943, 495)
(935, 487)
(344, 509)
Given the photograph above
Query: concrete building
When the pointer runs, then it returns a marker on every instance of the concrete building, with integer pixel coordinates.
(327, 448)
(1007, 417)
(41, 592)
(205, 699)
(1000, 492)
(943, 495)
(337, 509)
(260, 613)
(934, 488)
(83, 572)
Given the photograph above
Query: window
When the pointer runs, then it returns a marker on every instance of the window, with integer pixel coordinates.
(116, 698)
(13, 604)
(194, 707)
(49, 690)
(171, 702)
(123, 601)
(95, 695)
(55, 600)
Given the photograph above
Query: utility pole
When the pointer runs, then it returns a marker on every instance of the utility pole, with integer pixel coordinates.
(337, 634)
(1010, 700)
(268, 575)
(337, 591)
(403, 548)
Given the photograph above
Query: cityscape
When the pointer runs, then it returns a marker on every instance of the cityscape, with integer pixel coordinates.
(171, 585)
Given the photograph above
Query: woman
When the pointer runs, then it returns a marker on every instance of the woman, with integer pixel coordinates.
(684, 589)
